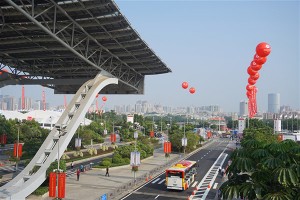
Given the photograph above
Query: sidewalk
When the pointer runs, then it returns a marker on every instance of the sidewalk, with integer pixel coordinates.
(93, 183)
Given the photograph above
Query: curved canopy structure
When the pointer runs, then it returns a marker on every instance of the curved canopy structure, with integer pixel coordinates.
(63, 43)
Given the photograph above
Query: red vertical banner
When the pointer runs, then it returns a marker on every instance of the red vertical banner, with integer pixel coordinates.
(15, 149)
(170, 147)
(113, 137)
(20, 150)
(165, 147)
(52, 184)
(151, 133)
(4, 139)
(61, 185)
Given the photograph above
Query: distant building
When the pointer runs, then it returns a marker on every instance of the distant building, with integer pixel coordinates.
(274, 103)
(243, 108)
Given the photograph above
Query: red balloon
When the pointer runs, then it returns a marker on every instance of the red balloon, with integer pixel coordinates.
(104, 98)
(259, 60)
(185, 85)
(249, 87)
(192, 90)
(255, 66)
(251, 81)
(250, 71)
(263, 49)
(255, 77)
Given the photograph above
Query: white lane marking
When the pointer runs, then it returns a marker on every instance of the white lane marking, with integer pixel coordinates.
(156, 196)
(215, 186)
(156, 180)
(195, 183)
(161, 181)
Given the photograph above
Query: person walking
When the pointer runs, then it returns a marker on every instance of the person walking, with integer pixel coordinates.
(107, 171)
(222, 172)
(78, 174)
(72, 165)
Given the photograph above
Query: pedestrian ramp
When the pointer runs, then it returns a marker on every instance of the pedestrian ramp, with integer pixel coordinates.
(53, 147)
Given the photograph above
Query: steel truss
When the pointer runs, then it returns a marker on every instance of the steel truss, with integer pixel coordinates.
(75, 39)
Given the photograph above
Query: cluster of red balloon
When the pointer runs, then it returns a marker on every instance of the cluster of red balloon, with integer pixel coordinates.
(262, 51)
(185, 85)
(104, 99)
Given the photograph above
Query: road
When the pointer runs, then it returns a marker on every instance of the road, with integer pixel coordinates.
(209, 159)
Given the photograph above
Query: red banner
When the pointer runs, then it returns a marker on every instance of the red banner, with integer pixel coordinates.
(52, 184)
(4, 139)
(151, 133)
(167, 147)
(61, 185)
(170, 147)
(19, 149)
(113, 137)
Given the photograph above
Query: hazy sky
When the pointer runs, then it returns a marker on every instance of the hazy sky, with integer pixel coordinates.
(210, 44)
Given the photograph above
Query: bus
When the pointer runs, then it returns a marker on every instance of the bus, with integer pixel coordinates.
(181, 175)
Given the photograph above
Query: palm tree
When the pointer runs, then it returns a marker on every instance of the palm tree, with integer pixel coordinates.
(262, 170)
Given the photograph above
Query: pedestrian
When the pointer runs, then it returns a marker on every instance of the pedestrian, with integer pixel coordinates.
(107, 172)
(222, 172)
(78, 174)
(81, 168)
(219, 194)
(72, 165)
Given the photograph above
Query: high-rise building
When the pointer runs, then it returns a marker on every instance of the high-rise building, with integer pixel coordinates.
(274, 103)
(243, 108)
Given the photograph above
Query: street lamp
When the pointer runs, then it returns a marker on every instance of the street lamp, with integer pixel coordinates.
(61, 128)
(17, 162)
(184, 139)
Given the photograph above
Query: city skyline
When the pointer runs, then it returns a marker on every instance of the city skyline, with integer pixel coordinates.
(210, 45)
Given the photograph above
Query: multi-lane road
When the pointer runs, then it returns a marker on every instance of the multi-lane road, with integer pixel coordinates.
(206, 182)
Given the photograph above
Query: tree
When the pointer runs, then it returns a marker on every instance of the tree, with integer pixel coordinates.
(263, 169)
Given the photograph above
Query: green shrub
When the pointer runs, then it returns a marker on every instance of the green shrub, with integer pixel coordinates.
(41, 190)
(117, 158)
(106, 163)
(107, 159)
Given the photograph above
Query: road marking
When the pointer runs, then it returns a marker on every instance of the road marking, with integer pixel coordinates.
(195, 183)
(161, 181)
(215, 186)
(156, 196)
(156, 180)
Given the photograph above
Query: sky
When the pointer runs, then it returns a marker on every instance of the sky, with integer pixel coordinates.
(210, 45)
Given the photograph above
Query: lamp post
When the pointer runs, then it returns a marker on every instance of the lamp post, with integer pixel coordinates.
(161, 124)
(135, 135)
(61, 132)
(184, 139)
(17, 162)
